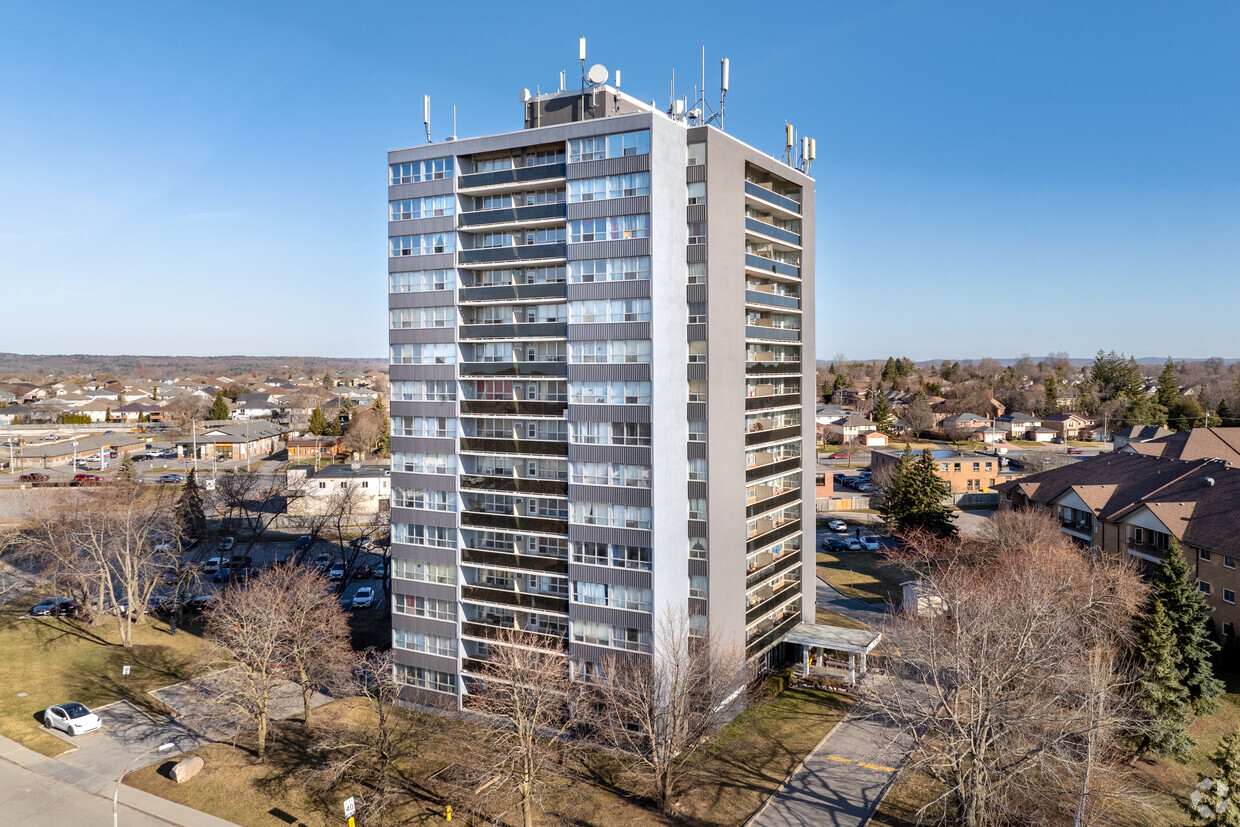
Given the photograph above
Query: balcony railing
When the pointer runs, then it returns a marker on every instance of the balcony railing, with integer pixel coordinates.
(515, 485)
(509, 597)
(760, 403)
(521, 330)
(513, 522)
(766, 504)
(528, 562)
(509, 215)
(518, 175)
(519, 252)
(771, 266)
(492, 445)
(487, 369)
(779, 565)
(767, 638)
(781, 596)
(513, 292)
(764, 194)
(772, 368)
(780, 334)
(773, 435)
(772, 299)
(489, 631)
(772, 468)
(760, 226)
(514, 407)
(773, 536)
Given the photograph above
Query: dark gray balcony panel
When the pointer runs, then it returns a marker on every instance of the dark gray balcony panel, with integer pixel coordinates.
(502, 559)
(697, 370)
(578, 532)
(420, 226)
(523, 330)
(611, 575)
(763, 194)
(413, 623)
(608, 331)
(610, 372)
(542, 172)
(585, 250)
(444, 519)
(515, 485)
(772, 231)
(770, 503)
(616, 617)
(780, 334)
(695, 293)
(439, 591)
(512, 407)
(695, 253)
(421, 336)
(406, 373)
(761, 403)
(428, 298)
(426, 660)
(773, 435)
(695, 450)
(522, 600)
(486, 370)
(695, 174)
(773, 536)
(695, 410)
(620, 495)
(765, 641)
(771, 266)
(697, 489)
(609, 413)
(628, 289)
(695, 212)
(508, 215)
(513, 292)
(538, 447)
(761, 472)
(607, 207)
(424, 444)
(784, 563)
(695, 332)
(513, 522)
(699, 568)
(523, 252)
(400, 408)
(621, 454)
(772, 299)
(609, 166)
(409, 264)
(698, 528)
(439, 186)
(430, 482)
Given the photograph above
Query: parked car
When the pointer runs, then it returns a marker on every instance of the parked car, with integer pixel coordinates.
(1058, 440)
(172, 478)
(870, 542)
(835, 544)
(201, 603)
(323, 561)
(34, 478)
(304, 542)
(838, 455)
(55, 607)
(1076, 450)
(363, 572)
(365, 541)
(48, 438)
(380, 571)
(855, 545)
(838, 526)
(364, 598)
(87, 479)
(214, 564)
(227, 543)
(336, 572)
(73, 718)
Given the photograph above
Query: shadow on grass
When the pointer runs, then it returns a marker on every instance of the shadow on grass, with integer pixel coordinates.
(150, 666)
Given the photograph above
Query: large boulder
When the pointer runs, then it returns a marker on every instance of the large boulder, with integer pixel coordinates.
(186, 768)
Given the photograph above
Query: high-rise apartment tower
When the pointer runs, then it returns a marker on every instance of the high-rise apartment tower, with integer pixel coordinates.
(602, 371)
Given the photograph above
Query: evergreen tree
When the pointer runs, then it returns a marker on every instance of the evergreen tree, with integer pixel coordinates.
(890, 372)
(1168, 388)
(841, 382)
(318, 423)
(188, 519)
(1145, 411)
(895, 500)
(1185, 413)
(1224, 415)
(882, 415)
(1161, 694)
(913, 497)
(127, 471)
(1175, 588)
(219, 408)
(384, 446)
(107, 414)
(328, 382)
(1216, 801)
(1052, 396)
(335, 427)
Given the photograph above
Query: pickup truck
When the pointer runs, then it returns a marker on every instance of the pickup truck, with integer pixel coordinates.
(87, 479)
(34, 478)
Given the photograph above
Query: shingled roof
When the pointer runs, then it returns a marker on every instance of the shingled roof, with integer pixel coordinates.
(1196, 443)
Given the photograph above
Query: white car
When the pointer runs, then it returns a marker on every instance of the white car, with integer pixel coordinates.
(838, 526)
(870, 543)
(73, 718)
(364, 598)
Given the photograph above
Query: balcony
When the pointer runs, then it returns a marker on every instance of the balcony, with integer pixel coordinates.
(772, 435)
(515, 215)
(764, 194)
(772, 299)
(519, 252)
(513, 522)
(556, 370)
(489, 631)
(521, 330)
(769, 265)
(542, 172)
(527, 562)
(774, 535)
(772, 468)
(782, 400)
(765, 636)
(767, 229)
(509, 597)
(515, 485)
(777, 565)
(514, 407)
(513, 292)
(537, 447)
(764, 605)
(769, 368)
(759, 504)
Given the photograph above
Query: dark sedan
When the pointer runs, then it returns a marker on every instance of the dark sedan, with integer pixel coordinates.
(55, 607)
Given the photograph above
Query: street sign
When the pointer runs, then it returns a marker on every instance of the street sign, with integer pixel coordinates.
(124, 670)
(349, 807)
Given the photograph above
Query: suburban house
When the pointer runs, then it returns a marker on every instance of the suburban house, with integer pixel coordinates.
(965, 423)
(989, 435)
(131, 412)
(1195, 443)
(1040, 434)
(851, 427)
(253, 406)
(1068, 425)
(872, 439)
(1138, 433)
(308, 447)
(964, 472)
(1017, 424)
(1132, 504)
(319, 492)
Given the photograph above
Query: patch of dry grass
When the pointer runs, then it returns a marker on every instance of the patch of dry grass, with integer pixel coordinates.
(865, 575)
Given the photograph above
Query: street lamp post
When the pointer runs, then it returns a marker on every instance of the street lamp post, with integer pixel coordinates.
(74, 444)
(116, 794)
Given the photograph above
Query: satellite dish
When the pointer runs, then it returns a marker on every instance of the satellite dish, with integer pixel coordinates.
(525, 96)
(597, 74)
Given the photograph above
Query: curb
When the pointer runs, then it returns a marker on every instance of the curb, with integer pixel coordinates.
(800, 765)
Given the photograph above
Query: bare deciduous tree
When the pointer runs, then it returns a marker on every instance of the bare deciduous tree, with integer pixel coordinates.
(248, 503)
(365, 428)
(316, 633)
(530, 690)
(662, 707)
(1017, 686)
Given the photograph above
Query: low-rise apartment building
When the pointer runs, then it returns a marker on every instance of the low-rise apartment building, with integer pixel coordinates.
(964, 472)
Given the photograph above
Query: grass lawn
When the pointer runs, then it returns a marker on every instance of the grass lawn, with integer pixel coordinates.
(725, 783)
(54, 661)
(864, 575)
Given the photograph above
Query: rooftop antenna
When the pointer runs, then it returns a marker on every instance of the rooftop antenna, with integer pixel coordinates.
(813, 153)
(790, 140)
(617, 78)
(723, 88)
(581, 53)
(426, 116)
(452, 137)
(596, 77)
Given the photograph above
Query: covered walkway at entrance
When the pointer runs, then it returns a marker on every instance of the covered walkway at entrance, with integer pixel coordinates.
(856, 643)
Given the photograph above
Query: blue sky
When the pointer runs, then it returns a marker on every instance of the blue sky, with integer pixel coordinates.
(993, 178)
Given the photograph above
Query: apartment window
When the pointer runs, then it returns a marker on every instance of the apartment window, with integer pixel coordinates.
(697, 272)
(697, 390)
(1138, 536)
(955, 466)
(422, 317)
(609, 310)
(977, 466)
(424, 642)
(697, 353)
(417, 463)
(414, 171)
(422, 281)
(1203, 555)
(427, 207)
(609, 269)
(697, 312)
(425, 572)
(1203, 586)
(612, 228)
(1228, 630)
(408, 604)
(697, 430)
(697, 154)
(698, 548)
(606, 473)
(421, 245)
(614, 351)
(592, 594)
(436, 354)
(609, 146)
(611, 514)
(697, 508)
(1229, 562)
(697, 232)
(611, 186)
(697, 586)
(630, 597)
(424, 535)
(1229, 596)
(609, 393)
(697, 469)
(697, 193)
(424, 500)
(421, 678)
(424, 391)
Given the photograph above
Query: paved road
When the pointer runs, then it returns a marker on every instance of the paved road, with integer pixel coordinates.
(841, 782)
(832, 600)
(35, 800)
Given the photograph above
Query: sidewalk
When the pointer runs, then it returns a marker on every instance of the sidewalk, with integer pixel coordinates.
(91, 786)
